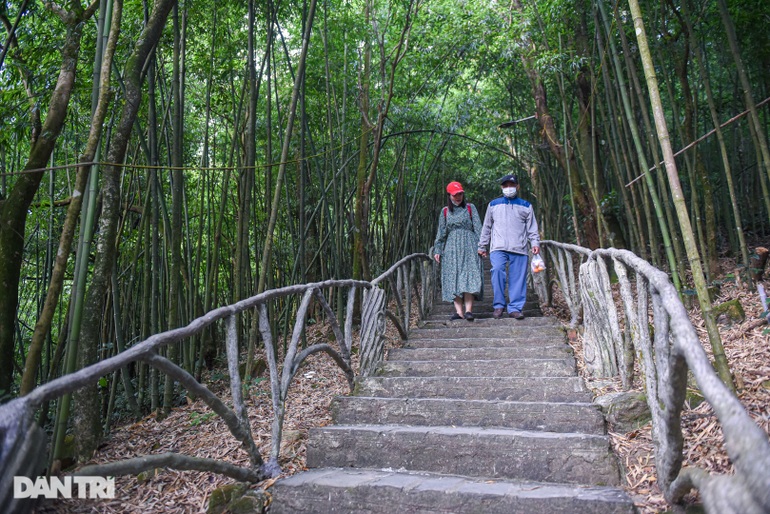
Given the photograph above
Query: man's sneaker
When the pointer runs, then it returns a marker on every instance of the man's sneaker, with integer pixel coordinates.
(498, 313)
(469, 316)
(455, 316)
(516, 315)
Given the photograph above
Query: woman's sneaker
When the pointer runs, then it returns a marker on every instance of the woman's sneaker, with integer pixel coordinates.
(469, 316)
(455, 316)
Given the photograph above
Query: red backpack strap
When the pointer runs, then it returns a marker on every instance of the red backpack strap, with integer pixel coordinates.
(466, 205)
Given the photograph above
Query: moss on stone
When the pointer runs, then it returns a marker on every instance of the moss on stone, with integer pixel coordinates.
(693, 398)
(730, 312)
(236, 499)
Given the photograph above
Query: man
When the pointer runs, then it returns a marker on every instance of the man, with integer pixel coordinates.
(510, 223)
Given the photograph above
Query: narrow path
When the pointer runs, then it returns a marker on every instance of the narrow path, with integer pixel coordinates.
(484, 416)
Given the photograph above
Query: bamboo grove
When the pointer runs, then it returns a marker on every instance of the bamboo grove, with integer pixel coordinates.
(161, 159)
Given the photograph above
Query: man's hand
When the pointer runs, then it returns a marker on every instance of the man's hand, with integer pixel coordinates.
(483, 254)
(535, 250)
(437, 257)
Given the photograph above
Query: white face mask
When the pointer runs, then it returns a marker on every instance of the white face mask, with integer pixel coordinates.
(509, 192)
(456, 203)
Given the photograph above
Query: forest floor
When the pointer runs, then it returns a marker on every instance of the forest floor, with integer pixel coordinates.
(193, 429)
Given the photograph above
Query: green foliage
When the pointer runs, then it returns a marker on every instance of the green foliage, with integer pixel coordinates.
(196, 418)
(463, 76)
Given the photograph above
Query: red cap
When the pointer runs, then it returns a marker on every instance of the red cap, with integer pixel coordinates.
(454, 187)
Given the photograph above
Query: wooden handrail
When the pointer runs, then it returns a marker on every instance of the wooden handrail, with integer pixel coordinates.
(666, 363)
(17, 423)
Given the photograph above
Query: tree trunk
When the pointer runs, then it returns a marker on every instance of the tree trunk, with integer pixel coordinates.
(177, 191)
(361, 224)
(662, 189)
(640, 152)
(563, 155)
(14, 209)
(268, 246)
(746, 85)
(101, 89)
(679, 203)
(87, 416)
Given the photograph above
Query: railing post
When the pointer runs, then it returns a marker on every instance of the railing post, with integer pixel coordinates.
(372, 329)
(602, 331)
(408, 295)
(631, 336)
(349, 319)
(425, 292)
(232, 367)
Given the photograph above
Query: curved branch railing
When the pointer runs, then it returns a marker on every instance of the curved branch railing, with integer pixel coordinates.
(22, 441)
(667, 354)
(401, 281)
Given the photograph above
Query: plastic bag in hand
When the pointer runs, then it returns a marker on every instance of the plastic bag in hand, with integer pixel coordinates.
(538, 264)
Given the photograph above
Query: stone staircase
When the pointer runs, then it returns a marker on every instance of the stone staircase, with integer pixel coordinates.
(486, 416)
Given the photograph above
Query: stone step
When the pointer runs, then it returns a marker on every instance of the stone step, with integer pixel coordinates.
(480, 368)
(512, 418)
(483, 315)
(530, 389)
(370, 491)
(555, 351)
(533, 342)
(487, 320)
(487, 329)
(570, 458)
(487, 304)
(541, 322)
(542, 416)
(482, 306)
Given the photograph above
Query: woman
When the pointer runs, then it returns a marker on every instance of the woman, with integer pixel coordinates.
(459, 228)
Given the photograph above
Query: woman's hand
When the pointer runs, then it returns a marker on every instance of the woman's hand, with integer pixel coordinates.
(437, 257)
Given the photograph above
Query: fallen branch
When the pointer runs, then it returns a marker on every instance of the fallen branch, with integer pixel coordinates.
(755, 324)
(173, 461)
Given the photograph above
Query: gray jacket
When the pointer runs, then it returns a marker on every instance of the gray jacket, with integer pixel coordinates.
(509, 223)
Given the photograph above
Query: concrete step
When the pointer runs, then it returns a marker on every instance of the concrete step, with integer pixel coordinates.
(480, 315)
(492, 328)
(489, 321)
(555, 351)
(570, 458)
(480, 368)
(542, 416)
(511, 418)
(370, 491)
(541, 322)
(485, 304)
(530, 389)
(482, 306)
(486, 342)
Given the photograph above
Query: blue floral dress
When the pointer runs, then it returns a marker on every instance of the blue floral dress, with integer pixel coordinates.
(457, 241)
